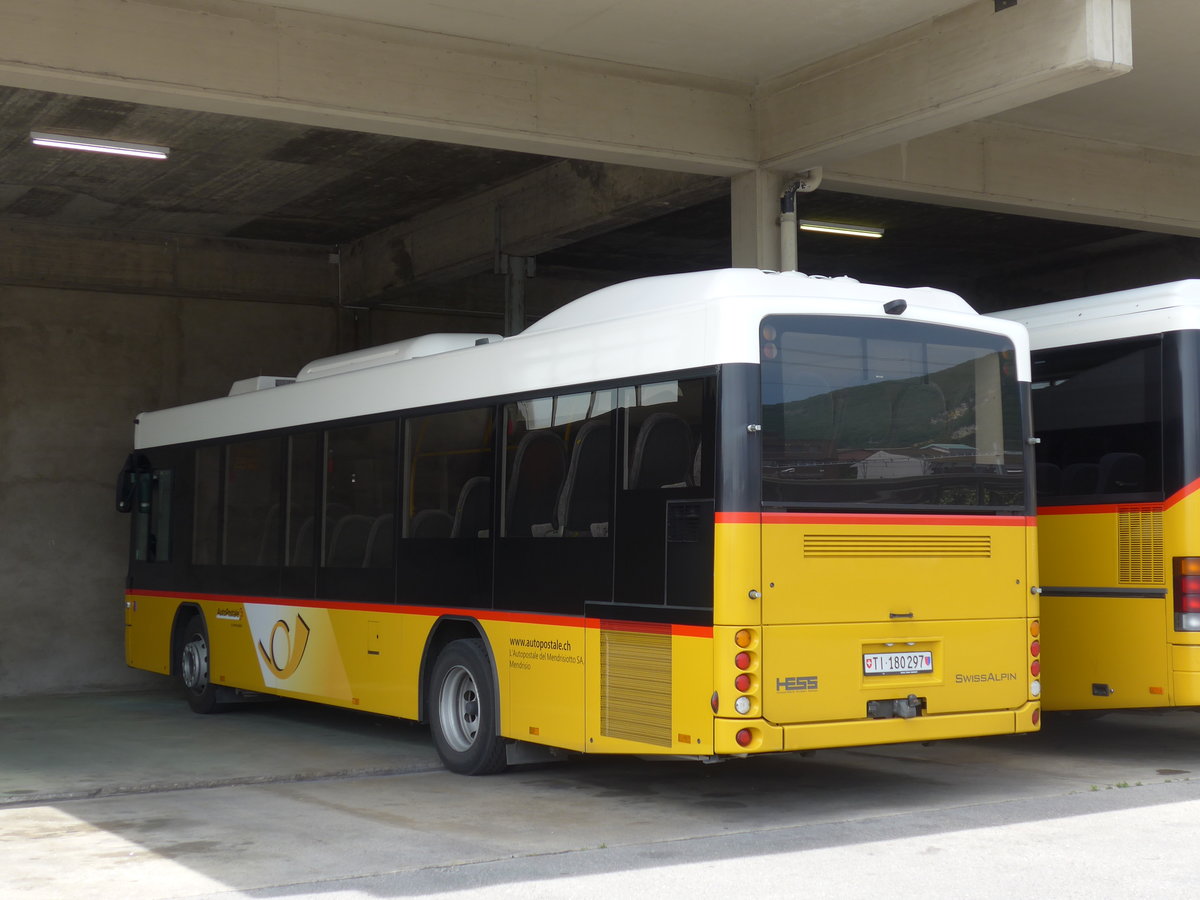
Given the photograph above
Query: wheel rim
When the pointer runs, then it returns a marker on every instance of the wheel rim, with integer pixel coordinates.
(459, 707)
(194, 664)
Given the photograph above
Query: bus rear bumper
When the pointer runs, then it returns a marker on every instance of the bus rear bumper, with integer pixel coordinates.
(766, 738)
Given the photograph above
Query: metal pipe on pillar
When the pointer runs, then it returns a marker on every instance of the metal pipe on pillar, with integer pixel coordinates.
(805, 183)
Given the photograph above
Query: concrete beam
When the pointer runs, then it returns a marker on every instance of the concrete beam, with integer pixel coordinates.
(248, 59)
(961, 67)
(559, 204)
(179, 266)
(1009, 168)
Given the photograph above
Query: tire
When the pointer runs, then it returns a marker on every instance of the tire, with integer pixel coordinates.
(193, 668)
(463, 714)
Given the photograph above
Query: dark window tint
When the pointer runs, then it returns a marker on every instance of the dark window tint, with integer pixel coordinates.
(558, 471)
(304, 455)
(360, 494)
(889, 413)
(152, 515)
(662, 447)
(206, 522)
(449, 475)
(1098, 412)
(252, 492)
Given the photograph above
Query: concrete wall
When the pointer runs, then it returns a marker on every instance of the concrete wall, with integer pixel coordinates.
(75, 368)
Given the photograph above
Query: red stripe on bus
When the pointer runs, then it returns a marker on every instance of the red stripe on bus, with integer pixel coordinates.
(892, 519)
(1183, 493)
(739, 518)
(488, 615)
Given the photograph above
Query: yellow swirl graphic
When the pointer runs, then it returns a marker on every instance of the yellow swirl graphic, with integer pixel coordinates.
(295, 648)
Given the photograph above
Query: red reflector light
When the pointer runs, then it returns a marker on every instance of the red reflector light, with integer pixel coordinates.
(1037, 716)
(744, 737)
(715, 702)
(1035, 648)
(1035, 668)
(742, 660)
(742, 683)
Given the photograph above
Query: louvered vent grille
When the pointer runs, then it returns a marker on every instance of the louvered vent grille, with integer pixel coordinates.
(635, 686)
(1139, 545)
(968, 546)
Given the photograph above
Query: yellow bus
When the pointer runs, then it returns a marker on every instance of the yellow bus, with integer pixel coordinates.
(700, 515)
(1116, 401)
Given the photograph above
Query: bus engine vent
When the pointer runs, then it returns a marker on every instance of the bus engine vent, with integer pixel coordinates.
(635, 685)
(958, 546)
(1139, 545)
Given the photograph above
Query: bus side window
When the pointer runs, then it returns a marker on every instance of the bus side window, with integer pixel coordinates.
(146, 492)
(662, 444)
(558, 465)
(206, 507)
(252, 489)
(448, 483)
(304, 454)
(360, 490)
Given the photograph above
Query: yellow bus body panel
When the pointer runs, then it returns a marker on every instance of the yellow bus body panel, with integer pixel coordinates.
(148, 623)
(834, 592)
(1117, 652)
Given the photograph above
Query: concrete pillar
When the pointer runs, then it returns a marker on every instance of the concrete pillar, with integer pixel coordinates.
(754, 208)
(516, 269)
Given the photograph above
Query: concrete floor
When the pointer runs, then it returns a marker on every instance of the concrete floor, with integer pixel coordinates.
(132, 796)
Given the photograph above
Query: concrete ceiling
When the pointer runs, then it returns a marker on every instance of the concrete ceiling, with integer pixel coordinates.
(250, 178)
(746, 41)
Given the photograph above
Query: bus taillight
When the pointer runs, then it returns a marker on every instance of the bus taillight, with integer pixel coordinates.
(1187, 593)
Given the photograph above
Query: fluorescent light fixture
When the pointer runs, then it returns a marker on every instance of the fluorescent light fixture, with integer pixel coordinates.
(863, 231)
(96, 145)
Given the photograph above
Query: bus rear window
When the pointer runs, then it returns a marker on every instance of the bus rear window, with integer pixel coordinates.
(889, 413)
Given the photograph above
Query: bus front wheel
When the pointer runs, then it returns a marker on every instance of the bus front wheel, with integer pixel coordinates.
(463, 715)
(193, 667)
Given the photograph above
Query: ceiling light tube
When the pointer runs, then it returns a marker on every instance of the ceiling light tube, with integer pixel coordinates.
(96, 145)
(863, 231)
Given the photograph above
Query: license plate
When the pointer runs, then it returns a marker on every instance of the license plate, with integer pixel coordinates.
(901, 663)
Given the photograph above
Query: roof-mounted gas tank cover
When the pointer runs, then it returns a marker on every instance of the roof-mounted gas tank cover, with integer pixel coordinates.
(258, 383)
(425, 345)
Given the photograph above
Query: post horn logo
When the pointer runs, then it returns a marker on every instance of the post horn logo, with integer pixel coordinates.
(286, 650)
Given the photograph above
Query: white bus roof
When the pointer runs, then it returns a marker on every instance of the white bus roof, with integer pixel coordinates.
(1174, 306)
(628, 331)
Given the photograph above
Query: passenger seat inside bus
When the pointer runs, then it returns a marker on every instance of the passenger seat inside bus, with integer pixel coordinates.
(473, 513)
(379, 543)
(662, 454)
(539, 466)
(348, 544)
(431, 523)
(583, 503)
(1122, 473)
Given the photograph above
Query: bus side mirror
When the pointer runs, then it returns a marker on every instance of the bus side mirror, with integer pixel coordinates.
(134, 483)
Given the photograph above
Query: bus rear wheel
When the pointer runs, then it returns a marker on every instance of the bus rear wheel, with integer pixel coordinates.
(463, 714)
(193, 668)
